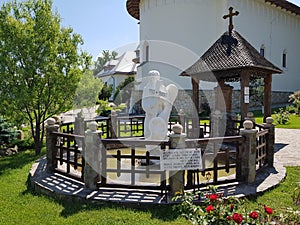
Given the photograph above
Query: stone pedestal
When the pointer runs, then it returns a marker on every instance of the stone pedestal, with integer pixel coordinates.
(176, 180)
(246, 168)
(114, 124)
(51, 141)
(92, 156)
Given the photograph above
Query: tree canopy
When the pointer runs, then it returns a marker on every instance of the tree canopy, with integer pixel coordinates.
(87, 91)
(40, 63)
(104, 58)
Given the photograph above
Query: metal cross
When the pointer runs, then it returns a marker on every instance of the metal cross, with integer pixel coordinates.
(230, 16)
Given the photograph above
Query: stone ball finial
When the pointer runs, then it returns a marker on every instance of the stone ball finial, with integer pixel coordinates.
(113, 112)
(248, 124)
(250, 114)
(93, 126)
(181, 112)
(51, 121)
(177, 128)
(269, 120)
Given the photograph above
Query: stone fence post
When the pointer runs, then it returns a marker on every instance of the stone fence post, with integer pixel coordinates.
(246, 165)
(271, 140)
(79, 128)
(92, 156)
(113, 125)
(51, 141)
(176, 178)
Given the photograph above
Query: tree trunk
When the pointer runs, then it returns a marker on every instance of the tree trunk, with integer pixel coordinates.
(37, 139)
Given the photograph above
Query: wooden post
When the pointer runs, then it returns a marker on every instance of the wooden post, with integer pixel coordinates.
(271, 140)
(267, 96)
(195, 119)
(195, 85)
(245, 81)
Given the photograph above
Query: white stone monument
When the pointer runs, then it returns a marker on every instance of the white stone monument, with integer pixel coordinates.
(157, 102)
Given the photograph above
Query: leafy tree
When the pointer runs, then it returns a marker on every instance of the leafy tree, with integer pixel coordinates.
(105, 92)
(123, 91)
(87, 91)
(40, 64)
(106, 56)
(257, 91)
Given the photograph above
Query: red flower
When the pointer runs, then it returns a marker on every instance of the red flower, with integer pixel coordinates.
(253, 215)
(232, 206)
(229, 218)
(238, 218)
(213, 197)
(268, 209)
(210, 208)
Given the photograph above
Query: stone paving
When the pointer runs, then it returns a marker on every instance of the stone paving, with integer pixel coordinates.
(287, 148)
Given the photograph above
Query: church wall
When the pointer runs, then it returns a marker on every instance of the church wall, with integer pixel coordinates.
(195, 25)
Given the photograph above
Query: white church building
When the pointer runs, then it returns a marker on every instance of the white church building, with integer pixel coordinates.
(174, 34)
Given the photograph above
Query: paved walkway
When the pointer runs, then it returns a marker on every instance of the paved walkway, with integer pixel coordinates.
(287, 148)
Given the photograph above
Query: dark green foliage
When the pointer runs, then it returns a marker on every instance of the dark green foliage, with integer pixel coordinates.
(24, 144)
(105, 92)
(257, 91)
(7, 133)
(123, 92)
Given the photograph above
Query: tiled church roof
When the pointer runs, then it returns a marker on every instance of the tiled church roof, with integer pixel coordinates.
(134, 9)
(221, 57)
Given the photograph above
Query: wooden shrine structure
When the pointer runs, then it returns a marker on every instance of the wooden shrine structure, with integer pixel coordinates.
(233, 59)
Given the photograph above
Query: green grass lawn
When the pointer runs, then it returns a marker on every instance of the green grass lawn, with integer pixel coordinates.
(294, 122)
(20, 205)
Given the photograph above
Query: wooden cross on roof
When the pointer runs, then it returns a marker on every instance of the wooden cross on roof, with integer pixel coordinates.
(230, 16)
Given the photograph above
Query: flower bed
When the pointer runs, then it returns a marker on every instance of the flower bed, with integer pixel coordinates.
(216, 209)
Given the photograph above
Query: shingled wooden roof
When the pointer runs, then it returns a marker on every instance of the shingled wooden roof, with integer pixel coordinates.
(133, 7)
(225, 61)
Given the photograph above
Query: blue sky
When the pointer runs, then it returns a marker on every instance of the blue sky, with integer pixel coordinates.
(103, 24)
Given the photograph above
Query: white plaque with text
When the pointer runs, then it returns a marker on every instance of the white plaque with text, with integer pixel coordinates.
(181, 159)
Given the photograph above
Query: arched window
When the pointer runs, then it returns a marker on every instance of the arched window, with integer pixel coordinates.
(147, 49)
(284, 58)
(262, 50)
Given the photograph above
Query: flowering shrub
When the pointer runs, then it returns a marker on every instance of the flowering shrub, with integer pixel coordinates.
(219, 210)
(282, 116)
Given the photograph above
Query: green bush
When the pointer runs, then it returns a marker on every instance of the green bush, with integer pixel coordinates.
(24, 144)
(282, 116)
(295, 99)
(7, 133)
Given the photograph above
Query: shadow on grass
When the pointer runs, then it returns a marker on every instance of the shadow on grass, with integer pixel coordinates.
(160, 212)
(167, 213)
(17, 161)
